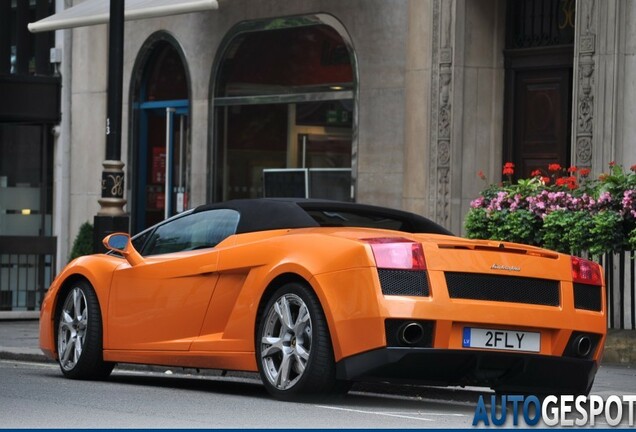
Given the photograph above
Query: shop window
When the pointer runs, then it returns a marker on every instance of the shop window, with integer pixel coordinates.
(284, 109)
(26, 161)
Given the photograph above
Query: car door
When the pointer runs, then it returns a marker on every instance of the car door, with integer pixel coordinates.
(160, 305)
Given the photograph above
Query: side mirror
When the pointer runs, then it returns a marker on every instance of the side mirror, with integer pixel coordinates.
(120, 242)
(117, 242)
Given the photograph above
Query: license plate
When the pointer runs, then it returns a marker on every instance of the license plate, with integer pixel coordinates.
(511, 340)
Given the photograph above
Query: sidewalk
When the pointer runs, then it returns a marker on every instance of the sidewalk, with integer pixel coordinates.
(19, 340)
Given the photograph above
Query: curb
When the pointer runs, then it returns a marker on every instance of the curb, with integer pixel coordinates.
(6, 354)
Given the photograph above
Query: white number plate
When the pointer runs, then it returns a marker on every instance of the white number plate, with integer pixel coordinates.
(513, 340)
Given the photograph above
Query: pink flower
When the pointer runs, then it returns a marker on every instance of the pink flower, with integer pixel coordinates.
(477, 202)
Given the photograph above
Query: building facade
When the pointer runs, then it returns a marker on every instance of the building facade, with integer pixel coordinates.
(397, 103)
(29, 119)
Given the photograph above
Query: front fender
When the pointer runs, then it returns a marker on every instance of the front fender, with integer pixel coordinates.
(98, 271)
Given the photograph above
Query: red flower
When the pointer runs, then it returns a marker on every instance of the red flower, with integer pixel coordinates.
(571, 183)
(633, 168)
(554, 167)
(572, 169)
(481, 175)
(508, 168)
(612, 164)
(535, 173)
(584, 172)
(545, 180)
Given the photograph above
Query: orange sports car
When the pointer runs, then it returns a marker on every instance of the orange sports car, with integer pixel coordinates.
(316, 294)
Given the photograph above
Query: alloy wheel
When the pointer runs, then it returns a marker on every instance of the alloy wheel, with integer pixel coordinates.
(72, 329)
(286, 341)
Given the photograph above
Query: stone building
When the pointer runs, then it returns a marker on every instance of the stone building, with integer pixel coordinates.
(397, 103)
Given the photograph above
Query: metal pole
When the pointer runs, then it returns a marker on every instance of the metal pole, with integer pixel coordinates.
(111, 216)
(168, 176)
(115, 79)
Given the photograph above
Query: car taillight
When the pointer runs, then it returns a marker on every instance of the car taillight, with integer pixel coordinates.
(585, 272)
(397, 253)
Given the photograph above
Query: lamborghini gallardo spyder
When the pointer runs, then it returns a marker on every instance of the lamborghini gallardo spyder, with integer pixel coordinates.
(315, 295)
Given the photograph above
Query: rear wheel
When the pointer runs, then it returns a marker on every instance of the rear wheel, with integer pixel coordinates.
(79, 335)
(293, 346)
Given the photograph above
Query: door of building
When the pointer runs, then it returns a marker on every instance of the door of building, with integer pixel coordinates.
(160, 145)
(539, 118)
(162, 189)
(538, 91)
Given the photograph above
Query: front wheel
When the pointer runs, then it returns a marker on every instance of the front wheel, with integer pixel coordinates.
(79, 335)
(293, 346)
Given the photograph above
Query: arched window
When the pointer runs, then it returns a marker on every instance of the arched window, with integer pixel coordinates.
(161, 162)
(284, 110)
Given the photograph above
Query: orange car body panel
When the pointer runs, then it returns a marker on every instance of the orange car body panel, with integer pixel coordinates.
(200, 308)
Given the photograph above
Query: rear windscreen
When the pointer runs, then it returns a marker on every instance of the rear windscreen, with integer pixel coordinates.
(351, 219)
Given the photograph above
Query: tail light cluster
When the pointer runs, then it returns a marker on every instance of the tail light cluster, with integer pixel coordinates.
(397, 253)
(587, 281)
(585, 272)
(401, 266)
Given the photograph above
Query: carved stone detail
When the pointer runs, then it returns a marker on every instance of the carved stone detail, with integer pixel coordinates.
(443, 190)
(441, 110)
(584, 150)
(585, 96)
(443, 153)
(587, 44)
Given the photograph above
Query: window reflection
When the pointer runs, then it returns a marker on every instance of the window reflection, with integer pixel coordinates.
(284, 101)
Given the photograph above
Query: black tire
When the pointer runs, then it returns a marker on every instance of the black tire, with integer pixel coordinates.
(79, 334)
(305, 344)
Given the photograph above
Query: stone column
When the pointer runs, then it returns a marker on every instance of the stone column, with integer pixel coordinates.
(602, 88)
(418, 108)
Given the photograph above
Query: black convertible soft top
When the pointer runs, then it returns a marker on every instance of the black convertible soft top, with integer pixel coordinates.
(264, 214)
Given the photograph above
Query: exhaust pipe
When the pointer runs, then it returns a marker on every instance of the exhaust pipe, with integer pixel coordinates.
(582, 346)
(411, 333)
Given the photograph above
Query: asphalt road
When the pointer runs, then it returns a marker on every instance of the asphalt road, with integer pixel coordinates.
(36, 395)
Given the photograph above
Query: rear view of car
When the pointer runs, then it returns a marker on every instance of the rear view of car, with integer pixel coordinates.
(503, 315)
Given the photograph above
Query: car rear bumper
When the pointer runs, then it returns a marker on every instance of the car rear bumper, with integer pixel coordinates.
(502, 371)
